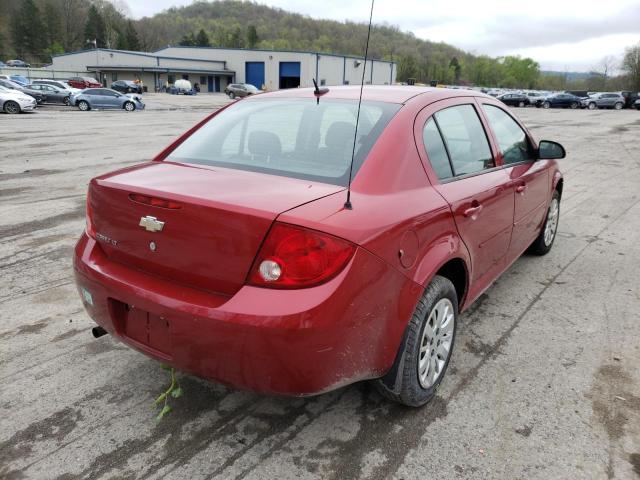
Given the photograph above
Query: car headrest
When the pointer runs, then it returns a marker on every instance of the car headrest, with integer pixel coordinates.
(264, 143)
(339, 135)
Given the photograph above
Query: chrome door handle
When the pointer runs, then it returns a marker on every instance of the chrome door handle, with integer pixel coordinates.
(469, 212)
(521, 188)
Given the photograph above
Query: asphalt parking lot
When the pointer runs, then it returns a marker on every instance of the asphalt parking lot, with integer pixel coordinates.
(544, 381)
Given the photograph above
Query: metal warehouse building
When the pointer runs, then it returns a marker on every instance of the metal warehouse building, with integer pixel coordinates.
(214, 68)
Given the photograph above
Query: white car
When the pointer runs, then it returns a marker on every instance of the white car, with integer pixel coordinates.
(14, 101)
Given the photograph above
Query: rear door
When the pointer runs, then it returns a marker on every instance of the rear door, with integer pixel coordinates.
(459, 160)
(528, 178)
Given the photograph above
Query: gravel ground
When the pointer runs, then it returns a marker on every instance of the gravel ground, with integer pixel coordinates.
(544, 382)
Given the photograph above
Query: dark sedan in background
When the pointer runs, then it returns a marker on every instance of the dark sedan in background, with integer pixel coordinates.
(514, 99)
(11, 85)
(51, 94)
(559, 100)
(126, 86)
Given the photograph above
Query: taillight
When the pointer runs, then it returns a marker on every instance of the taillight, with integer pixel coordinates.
(90, 230)
(294, 257)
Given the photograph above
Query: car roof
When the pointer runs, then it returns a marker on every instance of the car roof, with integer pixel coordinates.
(380, 93)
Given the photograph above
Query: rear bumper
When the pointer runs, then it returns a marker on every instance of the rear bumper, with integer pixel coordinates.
(292, 342)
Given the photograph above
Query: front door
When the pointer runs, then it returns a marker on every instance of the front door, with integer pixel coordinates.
(468, 178)
(528, 177)
(210, 83)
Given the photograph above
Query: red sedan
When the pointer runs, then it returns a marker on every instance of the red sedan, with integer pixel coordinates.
(232, 254)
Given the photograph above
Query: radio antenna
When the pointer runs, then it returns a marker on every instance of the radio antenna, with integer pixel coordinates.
(347, 204)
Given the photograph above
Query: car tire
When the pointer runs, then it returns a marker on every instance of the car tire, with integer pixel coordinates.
(546, 105)
(83, 105)
(11, 107)
(618, 106)
(573, 105)
(592, 106)
(521, 104)
(129, 106)
(66, 101)
(232, 95)
(542, 245)
(411, 380)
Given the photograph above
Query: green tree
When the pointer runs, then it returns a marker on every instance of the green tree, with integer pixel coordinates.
(202, 39)
(95, 28)
(252, 36)
(407, 68)
(28, 31)
(520, 72)
(235, 39)
(53, 24)
(131, 34)
(456, 68)
(631, 66)
(188, 40)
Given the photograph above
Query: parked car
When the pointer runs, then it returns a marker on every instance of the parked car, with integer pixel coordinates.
(559, 100)
(14, 101)
(535, 96)
(514, 99)
(182, 86)
(84, 82)
(51, 94)
(19, 79)
(17, 63)
(298, 288)
(10, 84)
(603, 100)
(578, 93)
(126, 86)
(240, 90)
(2, 64)
(105, 98)
(629, 98)
(57, 83)
(636, 104)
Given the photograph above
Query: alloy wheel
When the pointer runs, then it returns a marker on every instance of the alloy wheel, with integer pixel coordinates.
(552, 222)
(592, 106)
(618, 106)
(436, 342)
(84, 106)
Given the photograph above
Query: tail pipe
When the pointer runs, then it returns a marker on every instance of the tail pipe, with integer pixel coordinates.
(98, 332)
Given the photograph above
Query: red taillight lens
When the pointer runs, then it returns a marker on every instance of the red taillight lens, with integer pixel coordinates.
(154, 201)
(89, 229)
(294, 257)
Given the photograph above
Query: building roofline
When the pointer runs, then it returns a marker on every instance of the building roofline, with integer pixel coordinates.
(265, 50)
(160, 69)
(140, 54)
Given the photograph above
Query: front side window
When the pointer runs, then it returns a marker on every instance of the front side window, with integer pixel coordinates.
(296, 138)
(465, 139)
(512, 139)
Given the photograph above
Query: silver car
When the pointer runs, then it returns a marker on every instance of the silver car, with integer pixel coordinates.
(603, 100)
(106, 98)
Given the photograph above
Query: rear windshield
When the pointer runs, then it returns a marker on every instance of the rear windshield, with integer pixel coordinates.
(296, 138)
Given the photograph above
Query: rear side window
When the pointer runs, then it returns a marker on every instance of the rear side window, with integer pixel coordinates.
(465, 139)
(512, 140)
(297, 138)
(436, 151)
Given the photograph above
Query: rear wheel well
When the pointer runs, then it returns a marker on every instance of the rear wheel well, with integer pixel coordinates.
(456, 271)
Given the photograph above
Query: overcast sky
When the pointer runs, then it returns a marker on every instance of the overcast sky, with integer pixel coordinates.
(559, 34)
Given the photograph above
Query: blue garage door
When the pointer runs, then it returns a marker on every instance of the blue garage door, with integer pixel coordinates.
(254, 73)
(289, 74)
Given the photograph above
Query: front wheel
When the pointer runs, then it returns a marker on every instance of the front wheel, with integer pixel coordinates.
(542, 245)
(83, 105)
(521, 104)
(66, 101)
(592, 106)
(618, 106)
(574, 105)
(11, 107)
(129, 106)
(423, 356)
(546, 105)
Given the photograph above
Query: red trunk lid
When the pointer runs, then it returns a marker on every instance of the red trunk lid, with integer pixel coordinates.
(211, 240)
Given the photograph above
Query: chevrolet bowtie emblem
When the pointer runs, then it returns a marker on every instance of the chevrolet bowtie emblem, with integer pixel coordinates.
(151, 224)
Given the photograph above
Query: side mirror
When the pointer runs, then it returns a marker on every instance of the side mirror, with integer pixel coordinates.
(548, 150)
